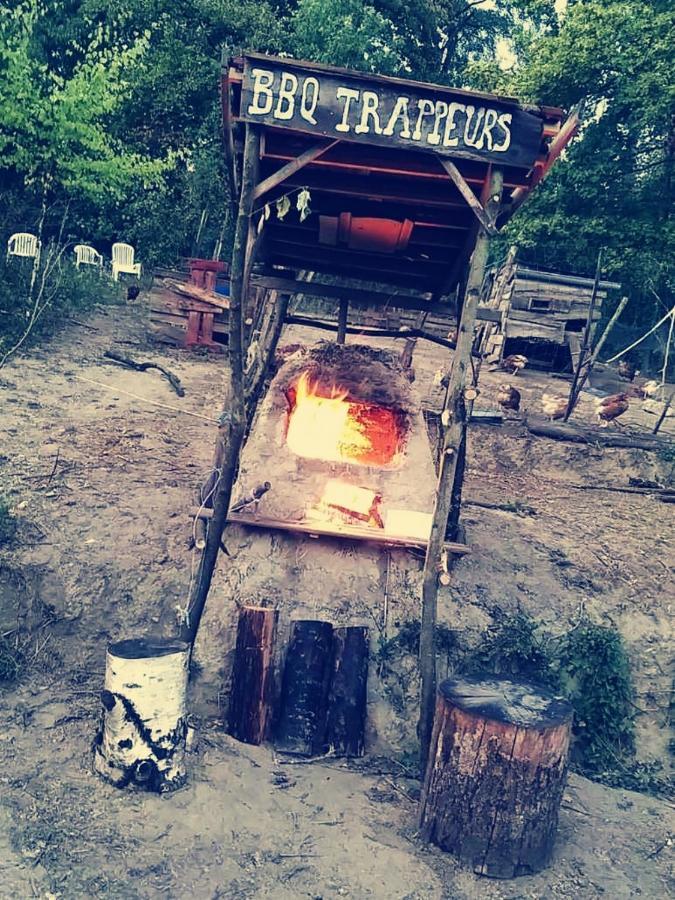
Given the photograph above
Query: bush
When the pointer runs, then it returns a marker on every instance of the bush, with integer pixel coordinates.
(7, 522)
(12, 660)
(66, 291)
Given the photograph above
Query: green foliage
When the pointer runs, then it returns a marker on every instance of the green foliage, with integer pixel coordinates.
(67, 292)
(7, 522)
(589, 665)
(12, 660)
(594, 673)
(513, 646)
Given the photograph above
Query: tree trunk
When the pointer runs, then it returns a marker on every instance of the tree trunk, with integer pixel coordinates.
(603, 437)
(252, 674)
(304, 692)
(142, 739)
(454, 422)
(233, 417)
(496, 774)
(347, 698)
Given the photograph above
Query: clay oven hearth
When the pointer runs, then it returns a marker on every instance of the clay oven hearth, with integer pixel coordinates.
(341, 438)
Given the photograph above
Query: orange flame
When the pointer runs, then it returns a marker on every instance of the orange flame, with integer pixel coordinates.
(335, 429)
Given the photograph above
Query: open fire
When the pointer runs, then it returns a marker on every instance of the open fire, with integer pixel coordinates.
(323, 423)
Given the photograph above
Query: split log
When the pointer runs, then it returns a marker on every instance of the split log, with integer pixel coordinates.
(304, 690)
(252, 674)
(579, 435)
(144, 727)
(347, 698)
(496, 773)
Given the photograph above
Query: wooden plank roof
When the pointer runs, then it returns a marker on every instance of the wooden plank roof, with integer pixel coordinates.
(359, 171)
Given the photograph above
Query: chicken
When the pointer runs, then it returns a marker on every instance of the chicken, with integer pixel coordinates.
(648, 389)
(508, 397)
(133, 291)
(610, 408)
(553, 407)
(626, 370)
(513, 363)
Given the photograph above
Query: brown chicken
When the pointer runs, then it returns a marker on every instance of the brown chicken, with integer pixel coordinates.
(610, 408)
(508, 397)
(513, 363)
(627, 369)
(553, 407)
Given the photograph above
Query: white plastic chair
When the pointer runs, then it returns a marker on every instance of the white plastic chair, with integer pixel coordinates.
(123, 261)
(87, 256)
(23, 244)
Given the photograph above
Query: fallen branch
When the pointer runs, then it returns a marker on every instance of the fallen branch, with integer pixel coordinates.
(173, 379)
(577, 434)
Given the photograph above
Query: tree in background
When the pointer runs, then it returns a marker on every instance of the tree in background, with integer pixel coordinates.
(614, 187)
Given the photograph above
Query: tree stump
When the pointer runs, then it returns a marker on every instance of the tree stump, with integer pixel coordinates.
(144, 726)
(347, 697)
(252, 674)
(304, 690)
(496, 773)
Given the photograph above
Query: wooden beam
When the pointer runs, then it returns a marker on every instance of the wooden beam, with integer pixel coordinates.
(454, 421)
(233, 417)
(370, 331)
(466, 192)
(333, 529)
(291, 168)
(343, 312)
(357, 296)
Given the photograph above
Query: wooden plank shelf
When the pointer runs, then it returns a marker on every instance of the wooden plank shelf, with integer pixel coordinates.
(330, 529)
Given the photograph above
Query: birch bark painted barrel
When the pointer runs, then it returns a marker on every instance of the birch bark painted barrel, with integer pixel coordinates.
(252, 674)
(144, 727)
(301, 723)
(496, 774)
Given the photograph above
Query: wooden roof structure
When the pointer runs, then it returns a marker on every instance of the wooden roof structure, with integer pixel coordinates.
(369, 147)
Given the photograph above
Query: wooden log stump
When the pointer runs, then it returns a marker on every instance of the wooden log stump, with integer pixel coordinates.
(252, 674)
(496, 773)
(144, 726)
(304, 690)
(347, 697)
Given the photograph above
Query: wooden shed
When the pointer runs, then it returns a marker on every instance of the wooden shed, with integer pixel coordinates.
(542, 313)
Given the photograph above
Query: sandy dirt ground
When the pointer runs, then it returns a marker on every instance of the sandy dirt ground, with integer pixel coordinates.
(102, 482)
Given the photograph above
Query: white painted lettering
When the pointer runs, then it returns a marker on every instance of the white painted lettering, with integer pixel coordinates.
(476, 117)
(348, 94)
(286, 102)
(400, 111)
(426, 108)
(369, 105)
(262, 83)
(489, 123)
(504, 124)
(310, 99)
(449, 139)
(440, 111)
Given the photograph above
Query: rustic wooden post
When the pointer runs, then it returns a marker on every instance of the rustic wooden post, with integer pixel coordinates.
(304, 690)
(144, 727)
(347, 698)
(575, 389)
(496, 774)
(252, 674)
(233, 417)
(454, 422)
(343, 312)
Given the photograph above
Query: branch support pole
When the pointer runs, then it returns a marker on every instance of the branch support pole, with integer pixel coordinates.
(233, 417)
(343, 312)
(454, 420)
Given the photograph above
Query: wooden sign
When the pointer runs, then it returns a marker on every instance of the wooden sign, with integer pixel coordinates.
(387, 112)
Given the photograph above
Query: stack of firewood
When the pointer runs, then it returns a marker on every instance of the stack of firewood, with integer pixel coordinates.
(321, 707)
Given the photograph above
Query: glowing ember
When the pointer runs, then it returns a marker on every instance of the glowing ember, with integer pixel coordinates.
(335, 429)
